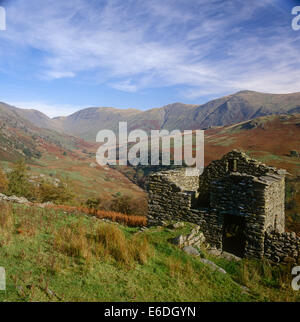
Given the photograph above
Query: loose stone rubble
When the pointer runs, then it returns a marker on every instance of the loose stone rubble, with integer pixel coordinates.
(195, 238)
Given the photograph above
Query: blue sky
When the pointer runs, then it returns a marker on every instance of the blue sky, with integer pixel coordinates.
(61, 56)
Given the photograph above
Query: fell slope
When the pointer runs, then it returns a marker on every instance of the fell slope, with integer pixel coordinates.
(50, 153)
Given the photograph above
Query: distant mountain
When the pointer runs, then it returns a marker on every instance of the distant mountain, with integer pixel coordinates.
(87, 122)
(238, 107)
(50, 154)
(19, 138)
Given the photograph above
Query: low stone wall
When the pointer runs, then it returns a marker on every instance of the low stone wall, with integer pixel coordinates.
(14, 199)
(282, 247)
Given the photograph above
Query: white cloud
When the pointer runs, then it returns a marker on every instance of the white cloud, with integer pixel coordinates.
(53, 74)
(138, 44)
(125, 86)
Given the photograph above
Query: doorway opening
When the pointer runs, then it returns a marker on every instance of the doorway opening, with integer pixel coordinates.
(234, 240)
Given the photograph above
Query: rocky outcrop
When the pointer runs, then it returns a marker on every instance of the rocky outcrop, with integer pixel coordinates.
(212, 265)
(191, 250)
(20, 200)
(23, 200)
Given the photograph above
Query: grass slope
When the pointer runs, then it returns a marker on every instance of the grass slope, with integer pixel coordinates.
(53, 256)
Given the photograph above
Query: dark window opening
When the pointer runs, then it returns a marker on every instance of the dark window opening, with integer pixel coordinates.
(232, 166)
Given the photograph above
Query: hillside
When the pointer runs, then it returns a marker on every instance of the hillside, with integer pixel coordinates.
(22, 138)
(51, 154)
(226, 110)
(268, 139)
(53, 256)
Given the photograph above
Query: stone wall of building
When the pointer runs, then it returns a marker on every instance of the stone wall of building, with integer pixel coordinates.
(171, 195)
(257, 200)
(211, 225)
(282, 247)
(274, 202)
(234, 161)
(241, 195)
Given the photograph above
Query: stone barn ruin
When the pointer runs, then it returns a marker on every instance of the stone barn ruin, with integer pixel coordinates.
(238, 203)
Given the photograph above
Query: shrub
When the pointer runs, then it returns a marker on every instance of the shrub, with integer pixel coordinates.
(129, 206)
(93, 204)
(122, 204)
(59, 193)
(19, 184)
(119, 204)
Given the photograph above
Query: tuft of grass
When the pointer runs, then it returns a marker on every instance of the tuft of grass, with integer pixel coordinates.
(105, 241)
(111, 241)
(262, 273)
(180, 270)
(72, 241)
(6, 218)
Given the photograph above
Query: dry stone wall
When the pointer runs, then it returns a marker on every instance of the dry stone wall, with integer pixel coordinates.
(282, 247)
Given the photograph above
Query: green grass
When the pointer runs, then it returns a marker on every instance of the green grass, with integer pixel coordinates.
(40, 268)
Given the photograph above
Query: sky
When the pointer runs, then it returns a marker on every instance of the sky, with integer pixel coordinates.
(62, 56)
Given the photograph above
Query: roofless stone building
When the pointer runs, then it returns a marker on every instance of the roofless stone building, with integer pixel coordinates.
(238, 203)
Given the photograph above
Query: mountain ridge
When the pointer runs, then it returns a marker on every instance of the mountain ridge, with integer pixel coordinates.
(226, 110)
